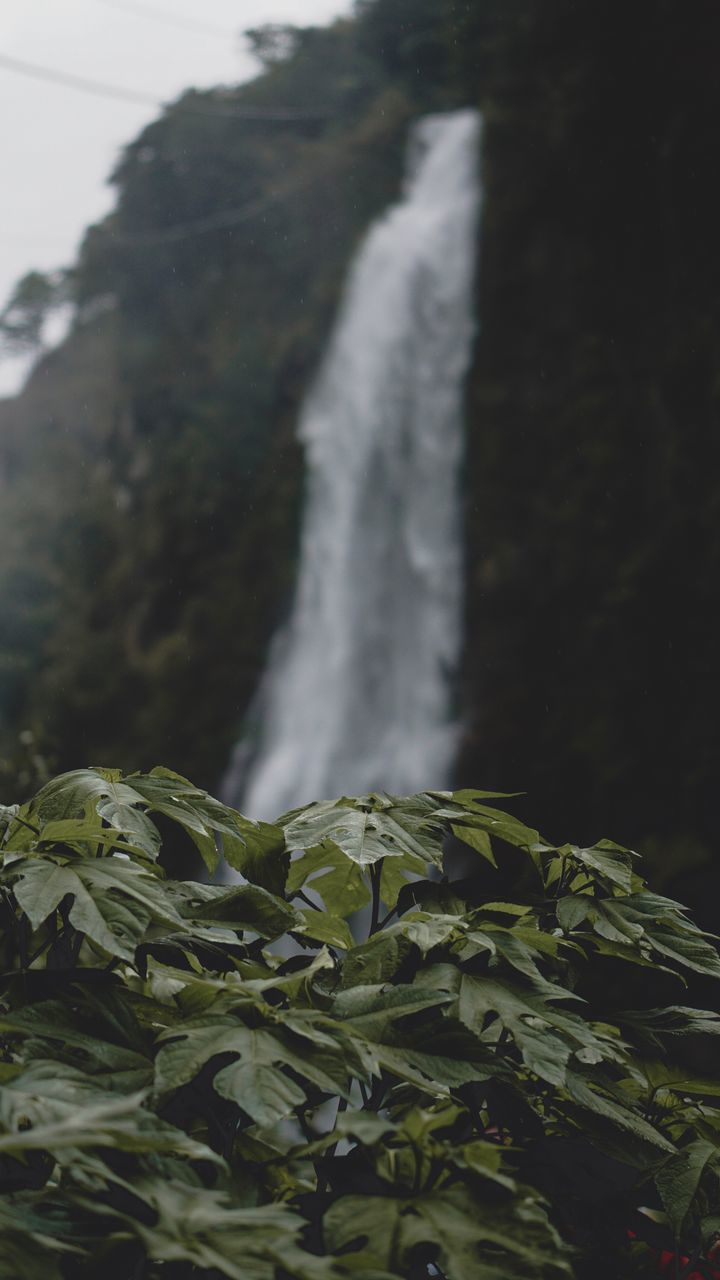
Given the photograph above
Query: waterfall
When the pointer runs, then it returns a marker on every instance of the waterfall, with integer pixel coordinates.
(357, 692)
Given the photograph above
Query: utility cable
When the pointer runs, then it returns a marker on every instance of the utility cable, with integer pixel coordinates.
(169, 19)
(101, 89)
(211, 222)
(70, 81)
(182, 230)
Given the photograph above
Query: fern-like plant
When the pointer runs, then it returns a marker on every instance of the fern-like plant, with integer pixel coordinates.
(503, 1077)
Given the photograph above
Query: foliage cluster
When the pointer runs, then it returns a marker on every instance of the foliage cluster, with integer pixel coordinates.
(219, 1080)
(148, 523)
(23, 317)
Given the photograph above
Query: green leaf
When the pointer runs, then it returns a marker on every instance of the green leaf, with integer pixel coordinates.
(324, 927)
(338, 879)
(545, 1037)
(678, 1180)
(99, 1034)
(468, 810)
(477, 838)
(610, 861)
(258, 852)
(115, 928)
(677, 1079)
(512, 948)
(471, 1238)
(362, 835)
(113, 900)
(258, 1083)
(78, 793)
(88, 835)
(119, 810)
(432, 1071)
(27, 1251)
(659, 1027)
(372, 1010)
(197, 812)
(41, 888)
(396, 875)
(623, 1115)
(377, 960)
(247, 907)
(690, 950)
(364, 1126)
(255, 1082)
(68, 1112)
(208, 1231)
(573, 909)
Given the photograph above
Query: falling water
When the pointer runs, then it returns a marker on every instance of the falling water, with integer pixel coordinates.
(357, 692)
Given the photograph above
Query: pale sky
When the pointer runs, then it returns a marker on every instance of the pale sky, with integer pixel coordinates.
(58, 145)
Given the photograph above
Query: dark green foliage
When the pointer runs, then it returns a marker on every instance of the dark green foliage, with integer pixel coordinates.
(219, 1080)
(25, 312)
(151, 480)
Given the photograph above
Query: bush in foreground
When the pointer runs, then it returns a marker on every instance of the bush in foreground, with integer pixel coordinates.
(203, 1080)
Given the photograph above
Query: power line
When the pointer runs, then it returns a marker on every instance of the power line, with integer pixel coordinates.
(100, 89)
(169, 19)
(70, 81)
(182, 230)
(210, 222)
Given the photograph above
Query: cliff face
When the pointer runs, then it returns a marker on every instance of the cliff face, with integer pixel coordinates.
(153, 479)
(593, 547)
(148, 540)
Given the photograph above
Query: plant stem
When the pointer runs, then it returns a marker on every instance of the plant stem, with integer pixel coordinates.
(16, 818)
(375, 874)
(23, 939)
(44, 946)
(388, 917)
(304, 898)
(76, 945)
(323, 1182)
(307, 1131)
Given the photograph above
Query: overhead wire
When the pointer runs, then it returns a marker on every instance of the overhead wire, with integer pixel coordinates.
(182, 230)
(178, 231)
(231, 217)
(70, 81)
(102, 89)
(169, 19)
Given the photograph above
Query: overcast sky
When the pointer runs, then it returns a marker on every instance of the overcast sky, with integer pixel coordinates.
(58, 145)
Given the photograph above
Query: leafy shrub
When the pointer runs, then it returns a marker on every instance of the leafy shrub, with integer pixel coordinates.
(215, 1080)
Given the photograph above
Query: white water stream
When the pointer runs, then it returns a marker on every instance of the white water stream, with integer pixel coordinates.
(357, 693)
